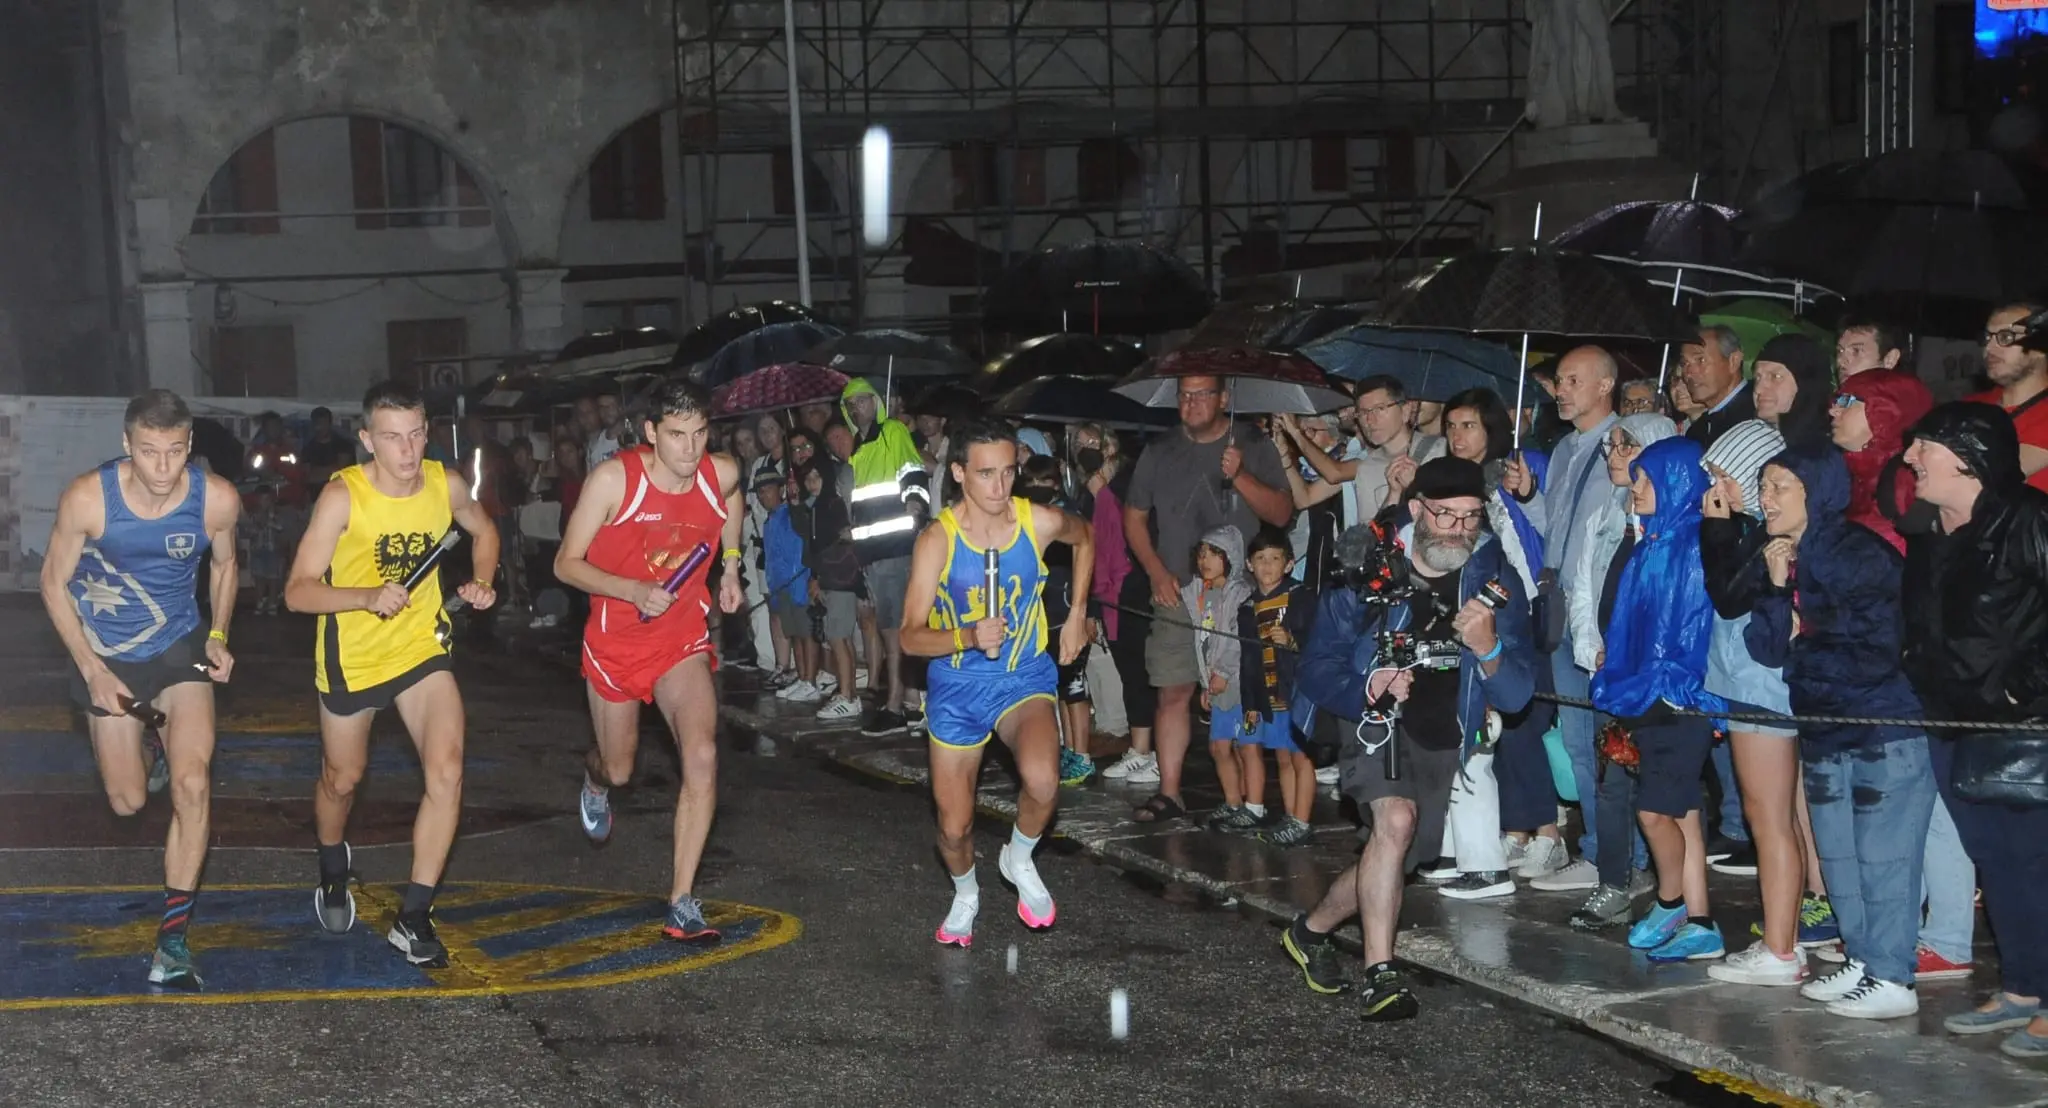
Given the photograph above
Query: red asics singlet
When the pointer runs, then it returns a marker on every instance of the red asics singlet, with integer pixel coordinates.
(645, 540)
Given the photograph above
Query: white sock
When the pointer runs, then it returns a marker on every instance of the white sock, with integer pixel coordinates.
(1021, 846)
(1258, 810)
(966, 886)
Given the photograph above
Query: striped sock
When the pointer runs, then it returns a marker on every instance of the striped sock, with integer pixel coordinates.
(177, 912)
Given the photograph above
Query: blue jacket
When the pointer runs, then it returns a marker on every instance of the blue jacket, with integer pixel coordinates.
(1845, 585)
(1518, 515)
(1657, 637)
(1342, 646)
(783, 550)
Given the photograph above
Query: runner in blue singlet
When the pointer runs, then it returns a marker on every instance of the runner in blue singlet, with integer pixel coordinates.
(991, 673)
(119, 583)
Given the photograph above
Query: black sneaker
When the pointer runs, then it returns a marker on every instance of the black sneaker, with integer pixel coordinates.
(1721, 846)
(914, 719)
(883, 722)
(1741, 863)
(1386, 997)
(414, 937)
(333, 904)
(1316, 955)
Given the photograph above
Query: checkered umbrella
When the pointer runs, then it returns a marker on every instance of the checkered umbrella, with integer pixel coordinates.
(773, 388)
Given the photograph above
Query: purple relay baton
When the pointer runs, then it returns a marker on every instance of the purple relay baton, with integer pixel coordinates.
(674, 584)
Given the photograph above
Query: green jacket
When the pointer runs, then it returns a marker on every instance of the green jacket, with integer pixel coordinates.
(891, 487)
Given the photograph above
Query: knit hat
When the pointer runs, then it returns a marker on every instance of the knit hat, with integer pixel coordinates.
(1807, 424)
(1741, 452)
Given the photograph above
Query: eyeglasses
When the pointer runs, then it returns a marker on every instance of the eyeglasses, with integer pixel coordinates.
(1200, 394)
(1846, 401)
(2009, 336)
(1378, 408)
(1450, 519)
(1628, 446)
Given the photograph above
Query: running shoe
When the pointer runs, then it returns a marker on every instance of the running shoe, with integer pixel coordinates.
(1479, 886)
(838, 710)
(1288, 832)
(1541, 857)
(958, 930)
(1075, 767)
(1034, 904)
(884, 722)
(334, 905)
(171, 966)
(781, 679)
(686, 920)
(1817, 921)
(413, 935)
(1231, 817)
(594, 806)
(1316, 955)
(1656, 928)
(1122, 767)
(159, 765)
(1605, 908)
(913, 718)
(1740, 862)
(1692, 943)
(1440, 871)
(1386, 997)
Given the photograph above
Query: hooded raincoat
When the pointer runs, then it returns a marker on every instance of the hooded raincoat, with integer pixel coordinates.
(1587, 575)
(1880, 485)
(1807, 424)
(1214, 608)
(891, 494)
(1657, 639)
(1844, 587)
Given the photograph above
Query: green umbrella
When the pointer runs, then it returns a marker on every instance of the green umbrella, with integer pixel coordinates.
(1756, 322)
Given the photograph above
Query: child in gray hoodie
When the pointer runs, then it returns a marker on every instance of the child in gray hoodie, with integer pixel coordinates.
(1212, 600)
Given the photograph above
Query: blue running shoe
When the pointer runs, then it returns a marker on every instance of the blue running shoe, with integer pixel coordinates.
(1692, 943)
(1817, 925)
(1074, 767)
(595, 808)
(1656, 929)
(172, 966)
(686, 921)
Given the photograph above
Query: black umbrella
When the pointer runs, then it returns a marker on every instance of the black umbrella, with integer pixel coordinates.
(1686, 232)
(1272, 325)
(1064, 398)
(1976, 179)
(1103, 287)
(1075, 354)
(1872, 250)
(614, 341)
(950, 399)
(706, 339)
(890, 353)
(771, 345)
(1539, 291)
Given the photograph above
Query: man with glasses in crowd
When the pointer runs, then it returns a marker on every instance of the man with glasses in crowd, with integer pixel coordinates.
(1383, 462)
(2020, 380)
(1204, 474)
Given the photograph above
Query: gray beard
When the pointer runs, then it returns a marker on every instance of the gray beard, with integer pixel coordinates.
(1441, 554)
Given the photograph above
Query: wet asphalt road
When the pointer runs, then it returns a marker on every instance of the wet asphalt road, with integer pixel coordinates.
(863, 1008)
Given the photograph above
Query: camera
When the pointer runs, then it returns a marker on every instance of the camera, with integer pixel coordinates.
(1402, 650)
(1372, 563)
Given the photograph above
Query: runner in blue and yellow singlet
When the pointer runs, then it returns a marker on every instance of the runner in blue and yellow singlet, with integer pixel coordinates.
(990, 672)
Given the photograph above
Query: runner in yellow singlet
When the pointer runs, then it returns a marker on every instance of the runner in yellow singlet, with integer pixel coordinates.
(380, 647)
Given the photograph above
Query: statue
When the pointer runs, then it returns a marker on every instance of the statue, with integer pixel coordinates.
(1571, 64)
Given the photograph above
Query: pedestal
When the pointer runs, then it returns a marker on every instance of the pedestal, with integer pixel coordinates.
(1583, 142)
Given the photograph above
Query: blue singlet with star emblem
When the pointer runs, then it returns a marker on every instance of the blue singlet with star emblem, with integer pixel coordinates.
(137, 586)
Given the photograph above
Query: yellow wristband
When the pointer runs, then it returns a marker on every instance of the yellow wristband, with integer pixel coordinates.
(217, 634)
(731, 553)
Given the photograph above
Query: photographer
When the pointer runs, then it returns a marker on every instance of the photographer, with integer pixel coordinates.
(1429, 585)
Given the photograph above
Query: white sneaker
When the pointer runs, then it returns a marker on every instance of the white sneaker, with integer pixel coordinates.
(1440, 871)
(800, 692)
(1759, 966)
(1328, 775)
(958, 930)
(1543, 856)
(1578, 875)
(1034, 903)
(860, 677)
(1877, 1000)
(1515, 849)
(1122, 767)
(1835, 985)
(825, 683)
(839, 710)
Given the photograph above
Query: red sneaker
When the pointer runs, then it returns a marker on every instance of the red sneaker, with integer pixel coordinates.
(1934, 967)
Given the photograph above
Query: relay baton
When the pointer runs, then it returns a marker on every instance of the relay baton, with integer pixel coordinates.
(698, 556)
(991, 589)
(431, 562)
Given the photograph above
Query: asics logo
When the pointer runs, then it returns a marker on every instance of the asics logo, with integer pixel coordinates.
(647, 517)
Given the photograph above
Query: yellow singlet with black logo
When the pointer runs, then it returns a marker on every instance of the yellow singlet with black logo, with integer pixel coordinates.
(385, 538)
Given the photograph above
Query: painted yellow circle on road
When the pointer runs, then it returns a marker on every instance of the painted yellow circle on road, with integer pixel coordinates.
(73, 946)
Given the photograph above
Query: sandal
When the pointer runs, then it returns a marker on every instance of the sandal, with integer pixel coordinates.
(1160, 809)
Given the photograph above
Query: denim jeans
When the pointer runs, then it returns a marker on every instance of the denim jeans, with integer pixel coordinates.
(1871, 807)
(1578, 726)
(1948, 884)
(2010, 848)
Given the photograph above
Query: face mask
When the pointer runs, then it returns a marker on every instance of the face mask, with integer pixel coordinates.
(1089, 459)
(1038, 494)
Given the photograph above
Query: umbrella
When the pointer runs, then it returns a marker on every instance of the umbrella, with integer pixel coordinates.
(1685, 232)
(1539, 291)
(711, 336)
(1431, 365)
(1272, 325)
(890, 353)
(1074, 353)
(614, 341)
(1064, 398)
(1259, 380)
(1757, 322)
(772, 388)
(771, 345)
(1865, 249)
(950, 399)
(1976, 179)
(1104, 287)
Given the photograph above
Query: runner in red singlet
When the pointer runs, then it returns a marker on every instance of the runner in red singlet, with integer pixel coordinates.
(640, 515)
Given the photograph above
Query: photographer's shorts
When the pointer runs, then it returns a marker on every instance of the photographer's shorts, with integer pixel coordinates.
(1426, 777)
(1170, 648)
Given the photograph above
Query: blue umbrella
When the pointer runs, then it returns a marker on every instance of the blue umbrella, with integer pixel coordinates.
(774, 344)
(1432, 365)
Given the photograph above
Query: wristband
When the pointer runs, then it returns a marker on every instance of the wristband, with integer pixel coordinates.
(1491, 654)
(731, 553)
(217, 635)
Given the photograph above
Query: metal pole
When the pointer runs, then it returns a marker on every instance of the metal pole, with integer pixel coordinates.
(796, 158)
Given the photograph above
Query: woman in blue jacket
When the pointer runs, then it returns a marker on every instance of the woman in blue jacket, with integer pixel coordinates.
(1830, 617)
(1655, 661)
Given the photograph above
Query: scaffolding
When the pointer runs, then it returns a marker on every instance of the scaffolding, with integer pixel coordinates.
(1256, 138)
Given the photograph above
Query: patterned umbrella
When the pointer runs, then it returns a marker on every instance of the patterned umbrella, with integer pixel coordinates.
(1539, 291)
(1071, 353)
(706, 339)
(1102, 287)
(773, 388)
(1259, 380)
(771, 345)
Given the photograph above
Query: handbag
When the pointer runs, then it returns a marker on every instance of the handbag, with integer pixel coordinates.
(2001, 769)
(1547, 613)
